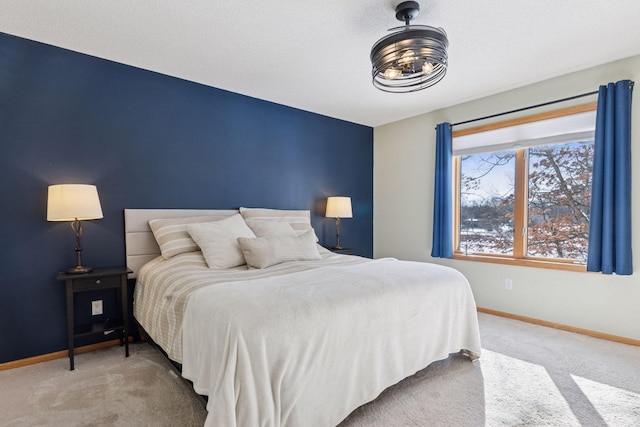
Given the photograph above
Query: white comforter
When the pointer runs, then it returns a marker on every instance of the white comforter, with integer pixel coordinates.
(307, 348)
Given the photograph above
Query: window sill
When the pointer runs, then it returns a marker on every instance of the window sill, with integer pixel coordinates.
(522, 262)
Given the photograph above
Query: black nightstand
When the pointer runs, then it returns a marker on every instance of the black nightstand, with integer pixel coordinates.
(342, 251)
(98, 279)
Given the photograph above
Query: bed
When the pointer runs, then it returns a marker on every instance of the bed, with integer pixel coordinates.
(289, 340)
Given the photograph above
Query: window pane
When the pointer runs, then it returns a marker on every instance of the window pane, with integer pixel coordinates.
(559, 200)
(486, 202)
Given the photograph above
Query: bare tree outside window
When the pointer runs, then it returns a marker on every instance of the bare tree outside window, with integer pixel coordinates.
(559, 200)
(557, 205)
(486, 203)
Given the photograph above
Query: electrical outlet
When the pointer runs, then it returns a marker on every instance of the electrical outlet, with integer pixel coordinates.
(96, 307)
(508, 284)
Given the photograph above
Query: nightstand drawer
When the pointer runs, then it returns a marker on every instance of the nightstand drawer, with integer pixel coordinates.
(96, 283)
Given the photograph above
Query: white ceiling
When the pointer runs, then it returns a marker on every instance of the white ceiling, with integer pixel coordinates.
(314, 55)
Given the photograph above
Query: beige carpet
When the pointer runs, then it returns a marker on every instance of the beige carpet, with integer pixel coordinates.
(106, 389)
(528, 376)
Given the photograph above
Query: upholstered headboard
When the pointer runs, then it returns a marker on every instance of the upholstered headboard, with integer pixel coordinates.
(140, 245)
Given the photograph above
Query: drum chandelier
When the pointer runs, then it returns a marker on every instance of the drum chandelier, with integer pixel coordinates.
(412, 57)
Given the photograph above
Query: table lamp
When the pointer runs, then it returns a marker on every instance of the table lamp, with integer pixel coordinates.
(338, 207)
(75, 203)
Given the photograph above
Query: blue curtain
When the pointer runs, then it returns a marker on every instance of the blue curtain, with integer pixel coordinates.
(442, 203)
(610, 219)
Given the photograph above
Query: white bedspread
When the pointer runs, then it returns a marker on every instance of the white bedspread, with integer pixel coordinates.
(307, 348)
(164, 287)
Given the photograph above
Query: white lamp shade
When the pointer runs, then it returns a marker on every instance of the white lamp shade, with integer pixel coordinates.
(68, 202)
(339, 207)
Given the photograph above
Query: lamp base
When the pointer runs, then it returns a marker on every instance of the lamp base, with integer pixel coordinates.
(338, 247)
(79, 269)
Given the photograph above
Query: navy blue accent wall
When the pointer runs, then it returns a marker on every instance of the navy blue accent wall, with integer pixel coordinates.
(146, 140)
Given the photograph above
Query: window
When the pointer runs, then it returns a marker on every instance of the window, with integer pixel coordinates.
(523, 189)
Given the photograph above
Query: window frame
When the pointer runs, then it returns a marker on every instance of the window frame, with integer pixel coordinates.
(519, 256)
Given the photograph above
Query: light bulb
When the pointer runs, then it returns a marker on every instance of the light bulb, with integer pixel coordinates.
(391, 73)
(407, 58)
(427, 68)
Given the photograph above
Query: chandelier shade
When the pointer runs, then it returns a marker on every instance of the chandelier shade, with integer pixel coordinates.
(411, 58)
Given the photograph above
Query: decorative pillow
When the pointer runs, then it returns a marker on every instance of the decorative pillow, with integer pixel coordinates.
(218, 241)
(262, 252)
(299, 220)
(270, 228)
(172, 236)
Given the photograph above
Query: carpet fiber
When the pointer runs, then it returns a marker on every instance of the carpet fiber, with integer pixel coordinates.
(527, 375)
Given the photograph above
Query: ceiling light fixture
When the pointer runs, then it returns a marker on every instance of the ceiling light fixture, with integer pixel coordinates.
(411, 58)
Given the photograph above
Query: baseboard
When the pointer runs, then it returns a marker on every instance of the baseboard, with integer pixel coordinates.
(58, 355)
(568, 328)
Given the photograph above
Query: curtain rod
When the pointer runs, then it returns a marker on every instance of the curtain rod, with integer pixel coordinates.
(529, 107)
(525, 108)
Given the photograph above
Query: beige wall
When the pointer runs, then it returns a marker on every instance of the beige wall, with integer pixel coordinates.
(403, 211)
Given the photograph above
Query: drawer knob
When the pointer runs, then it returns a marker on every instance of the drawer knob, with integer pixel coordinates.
(98, 282)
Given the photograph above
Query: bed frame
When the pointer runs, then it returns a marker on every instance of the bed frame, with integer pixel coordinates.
(140, 245)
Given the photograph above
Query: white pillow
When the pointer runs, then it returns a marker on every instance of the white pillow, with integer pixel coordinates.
(218, 241)
(172, 235)
(262, 252)
(270, 228)
(299, 220)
